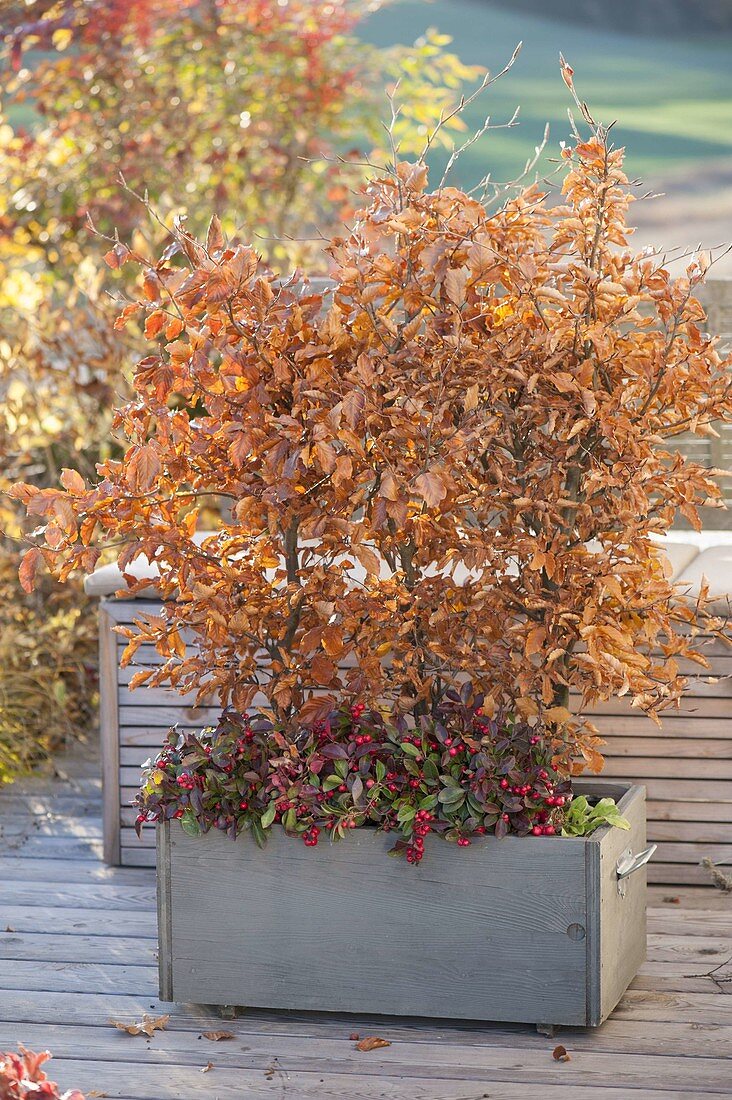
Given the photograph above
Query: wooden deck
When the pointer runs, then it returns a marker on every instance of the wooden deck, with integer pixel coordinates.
(77, 948)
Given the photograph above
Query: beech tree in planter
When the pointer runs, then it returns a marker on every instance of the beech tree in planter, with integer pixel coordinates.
(452, 469)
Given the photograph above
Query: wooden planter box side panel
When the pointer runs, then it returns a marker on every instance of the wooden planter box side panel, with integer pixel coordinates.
(502, 930)
(622, 931)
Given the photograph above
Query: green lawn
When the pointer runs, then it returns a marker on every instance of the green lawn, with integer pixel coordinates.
(672, 98)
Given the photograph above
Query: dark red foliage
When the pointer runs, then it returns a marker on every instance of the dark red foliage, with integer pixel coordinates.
(22, 1078)
(459, 775)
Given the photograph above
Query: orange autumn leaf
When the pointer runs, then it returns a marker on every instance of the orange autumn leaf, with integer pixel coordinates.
(29, 567)
(372, 1042)
(147, 1026)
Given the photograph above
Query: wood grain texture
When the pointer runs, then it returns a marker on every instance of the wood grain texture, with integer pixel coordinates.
(621, 930)
(333, 927)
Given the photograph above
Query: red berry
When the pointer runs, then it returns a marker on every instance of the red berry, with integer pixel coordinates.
(452, 751)
(549, 830)
(243, 804)
(504, 784)
(537, 830)
(370, 783)
(505, 817)
(559, 800)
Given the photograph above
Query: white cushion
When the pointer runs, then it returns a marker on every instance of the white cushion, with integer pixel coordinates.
(679, 555)
(715, 567)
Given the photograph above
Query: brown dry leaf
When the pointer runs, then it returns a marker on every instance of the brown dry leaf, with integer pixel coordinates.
(147, 1026)
(560, 1054)
(372, 1042)
(8, 928)
(218, 1036)
(207, 1068)
(673, 900)
(96, 1093)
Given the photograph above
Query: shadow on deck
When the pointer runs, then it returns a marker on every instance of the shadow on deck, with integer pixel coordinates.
(78, 948)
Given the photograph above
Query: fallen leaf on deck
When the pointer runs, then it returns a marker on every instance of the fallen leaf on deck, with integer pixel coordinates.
(218, 1036)
(207, 1068)
(96, 1093)
(147, 1026)
(372, 1042)
(9, 929)
(559, 1054)
(672, 901)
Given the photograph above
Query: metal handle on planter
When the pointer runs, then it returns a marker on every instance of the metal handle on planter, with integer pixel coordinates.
(628, 863)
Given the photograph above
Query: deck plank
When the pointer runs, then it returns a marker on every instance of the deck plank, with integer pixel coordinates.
(464, 1059)
(77, 948)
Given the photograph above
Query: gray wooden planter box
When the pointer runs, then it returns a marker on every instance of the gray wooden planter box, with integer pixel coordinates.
(526, 929)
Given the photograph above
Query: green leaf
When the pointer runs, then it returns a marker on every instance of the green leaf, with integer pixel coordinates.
(332, 782)
(449, 780)
(189, 824)
(410, 749)
(258, 833)
(430, 770)
(475, 805)
(380, 771)
(290, 820)
(581, 819)
(269, 815)
(451, 800)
